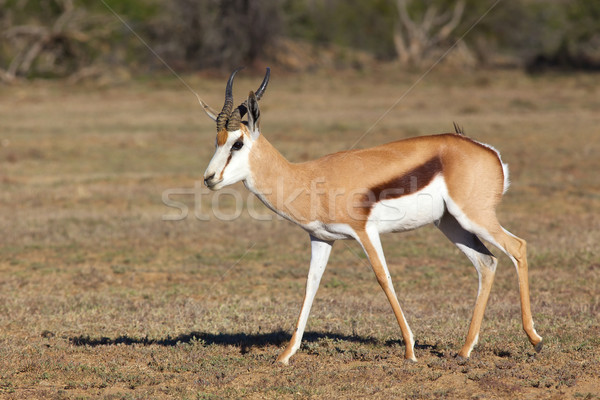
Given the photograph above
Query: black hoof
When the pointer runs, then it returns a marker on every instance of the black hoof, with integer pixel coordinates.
(538, 347)
(461, 360)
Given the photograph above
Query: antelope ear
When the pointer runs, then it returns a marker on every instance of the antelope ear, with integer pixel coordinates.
(253, 116)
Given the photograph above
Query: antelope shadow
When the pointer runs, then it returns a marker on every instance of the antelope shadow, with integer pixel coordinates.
(243, 340)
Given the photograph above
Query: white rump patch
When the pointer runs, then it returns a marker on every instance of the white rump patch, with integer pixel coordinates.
(506, 175)
(505, 171)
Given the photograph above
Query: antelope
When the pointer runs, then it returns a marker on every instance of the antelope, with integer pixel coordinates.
(448, 179)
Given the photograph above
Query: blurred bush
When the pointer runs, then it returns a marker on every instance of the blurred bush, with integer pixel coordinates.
(215, 33)
(60, 38)
(80, 38)
(569, 36)
(358, 24)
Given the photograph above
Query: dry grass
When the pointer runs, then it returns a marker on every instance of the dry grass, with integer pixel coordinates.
(101, 298)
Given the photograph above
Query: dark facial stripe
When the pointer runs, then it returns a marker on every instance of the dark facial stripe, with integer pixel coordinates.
(409, 183)
(226, 164)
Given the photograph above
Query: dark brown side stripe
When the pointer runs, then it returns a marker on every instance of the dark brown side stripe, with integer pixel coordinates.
(409, 183)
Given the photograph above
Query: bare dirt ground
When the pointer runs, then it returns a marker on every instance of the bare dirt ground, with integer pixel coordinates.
(100, 297)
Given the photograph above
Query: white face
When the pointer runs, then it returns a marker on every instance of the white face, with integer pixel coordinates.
(230, 161)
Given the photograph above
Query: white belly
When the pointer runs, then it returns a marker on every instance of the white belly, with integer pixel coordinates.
(411, 211)
(330, 231)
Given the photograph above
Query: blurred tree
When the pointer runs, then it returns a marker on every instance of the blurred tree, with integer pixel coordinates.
(216, 33)
(50, 39)
(424, 26)
(55, 38)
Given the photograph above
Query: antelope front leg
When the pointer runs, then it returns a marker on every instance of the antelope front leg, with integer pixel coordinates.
(320, 251)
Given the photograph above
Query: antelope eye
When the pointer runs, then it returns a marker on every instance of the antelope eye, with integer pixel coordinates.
(237, 145)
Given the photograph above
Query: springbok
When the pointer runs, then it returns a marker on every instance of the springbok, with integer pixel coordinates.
(447, 179)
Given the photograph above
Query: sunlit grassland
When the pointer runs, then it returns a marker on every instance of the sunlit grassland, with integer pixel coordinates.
(101, 297)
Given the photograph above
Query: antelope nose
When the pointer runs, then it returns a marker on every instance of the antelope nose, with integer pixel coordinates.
(208, 178)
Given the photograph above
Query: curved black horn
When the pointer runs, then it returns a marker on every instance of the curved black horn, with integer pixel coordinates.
(261, 90)
(259, 93)
(228, 106)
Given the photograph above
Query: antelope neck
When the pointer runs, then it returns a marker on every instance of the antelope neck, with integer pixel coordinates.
(273, 178)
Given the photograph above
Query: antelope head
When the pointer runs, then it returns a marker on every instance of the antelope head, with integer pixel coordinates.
(230, 163)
